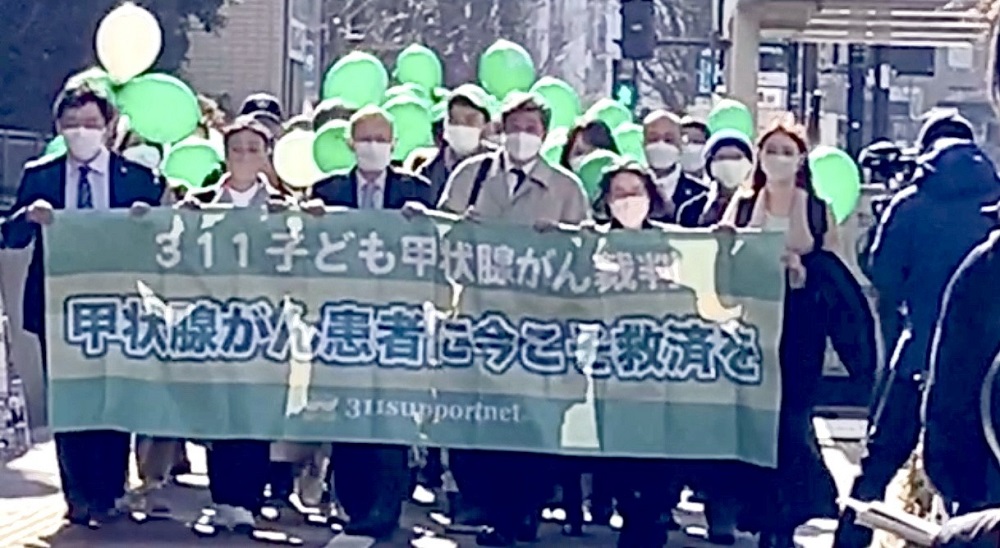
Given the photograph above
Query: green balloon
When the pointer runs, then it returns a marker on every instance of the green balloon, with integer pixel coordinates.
(731, 114)
(161, 108)
(408, 90)
(419, 65)
(439, 111)
(55, 147)
(555, 143)
(505, 67)
(836, 179)
(591, 172)
(631, 142)
(191, 162)
(330, 149)
(358, 78)
(412, 125)
(97, 79)
(610, 112)
(562, 99)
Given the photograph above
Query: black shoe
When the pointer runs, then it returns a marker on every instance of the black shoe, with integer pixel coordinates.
(494, 537)
(776, 540)
(77, 515)
(379, 530)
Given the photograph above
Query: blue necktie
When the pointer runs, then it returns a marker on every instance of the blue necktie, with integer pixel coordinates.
(519, 178)
(85, 194)
(368, 195)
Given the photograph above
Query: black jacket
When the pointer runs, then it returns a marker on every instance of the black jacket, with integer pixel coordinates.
(690, 201)
(341, 189)
(45, 179)
(435, 169)
(966, 340)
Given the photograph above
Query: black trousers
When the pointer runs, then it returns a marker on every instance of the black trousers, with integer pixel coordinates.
(509, 486)
(371, 480)
(893, 435)
(238, 472)
(93, 468)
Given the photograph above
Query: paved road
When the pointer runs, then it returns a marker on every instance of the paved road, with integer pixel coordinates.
(31, 511)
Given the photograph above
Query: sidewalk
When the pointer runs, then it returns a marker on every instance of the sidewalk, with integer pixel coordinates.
(31, 512)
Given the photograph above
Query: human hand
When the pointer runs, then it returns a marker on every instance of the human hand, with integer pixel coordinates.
(39, 212)
(314, 207)
(546, 225)
(472, 215)
(278, 206)
(139, 209)
(796, 271)
(412, 210)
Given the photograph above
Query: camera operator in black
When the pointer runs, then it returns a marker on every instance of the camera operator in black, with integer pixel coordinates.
(924, 233)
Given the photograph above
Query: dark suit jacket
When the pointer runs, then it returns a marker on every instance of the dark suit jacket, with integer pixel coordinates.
(341, 189)
(45, 179)
(435, 168)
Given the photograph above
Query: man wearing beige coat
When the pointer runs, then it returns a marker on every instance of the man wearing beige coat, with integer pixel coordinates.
(517, 186)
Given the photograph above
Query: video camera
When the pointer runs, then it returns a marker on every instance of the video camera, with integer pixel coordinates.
(886, 163)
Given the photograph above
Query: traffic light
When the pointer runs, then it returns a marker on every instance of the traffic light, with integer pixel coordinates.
(638, 29)
(623, 88)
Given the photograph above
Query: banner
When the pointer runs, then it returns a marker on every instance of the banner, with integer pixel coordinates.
(366, 326)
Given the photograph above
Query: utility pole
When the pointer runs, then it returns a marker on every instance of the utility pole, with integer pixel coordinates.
(856, 72)
(881, 72)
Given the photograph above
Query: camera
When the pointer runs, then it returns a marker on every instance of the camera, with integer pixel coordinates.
(888, 164)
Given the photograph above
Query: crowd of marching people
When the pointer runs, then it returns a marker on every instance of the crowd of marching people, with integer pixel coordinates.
(485, 168)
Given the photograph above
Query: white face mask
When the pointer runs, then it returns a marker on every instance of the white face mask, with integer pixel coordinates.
(84, 143)
(373, 155)
(463, 140)
(662, 155)
(631, 211)
(523, 146)
(779, 168)
(144, 155)
(692, 160)
(576, 162)
(731, 173)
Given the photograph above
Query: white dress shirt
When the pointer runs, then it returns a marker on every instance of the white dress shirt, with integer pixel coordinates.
(99, 177)
(512, 178)
(667, 184)
(378, 197)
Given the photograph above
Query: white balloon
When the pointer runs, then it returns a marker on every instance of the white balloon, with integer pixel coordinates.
(294, 161)
(129, 40)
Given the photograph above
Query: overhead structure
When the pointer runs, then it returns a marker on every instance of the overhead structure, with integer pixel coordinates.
(926, 23)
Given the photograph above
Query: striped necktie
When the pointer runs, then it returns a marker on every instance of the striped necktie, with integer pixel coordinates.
(85, 193)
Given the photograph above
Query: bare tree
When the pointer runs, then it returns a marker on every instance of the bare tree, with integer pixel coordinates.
(670, 79)
(458, 30)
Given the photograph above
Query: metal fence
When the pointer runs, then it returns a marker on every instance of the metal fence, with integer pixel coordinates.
(16, 148)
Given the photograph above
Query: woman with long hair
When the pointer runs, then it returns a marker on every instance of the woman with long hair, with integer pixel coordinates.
(583, 139)
(781, 198)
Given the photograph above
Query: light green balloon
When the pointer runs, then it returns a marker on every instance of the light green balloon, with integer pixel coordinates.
(419, 65)
(191, 162)
(505, 67)
(555, 143)
(55, 147)
(358, 78)
(562, 99)
(591, 171)
(161, 108)
(836, 179)
(610, 112)
(330, 149)
(630, 141)
(731, 114)
(412, 125)
(408, 90)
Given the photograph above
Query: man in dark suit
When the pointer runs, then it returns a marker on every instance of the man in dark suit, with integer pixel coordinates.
(93, 464)
(685, 198)
(372, 479)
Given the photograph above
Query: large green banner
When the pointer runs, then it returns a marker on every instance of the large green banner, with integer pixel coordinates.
(367, 326)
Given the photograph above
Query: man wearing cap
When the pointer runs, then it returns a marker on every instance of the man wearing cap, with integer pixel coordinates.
(686, 199)
(266, 109)
(371, 478)
(515, 185)
(467, 117)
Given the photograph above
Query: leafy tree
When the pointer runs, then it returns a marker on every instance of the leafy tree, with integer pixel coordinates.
(42, 42)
